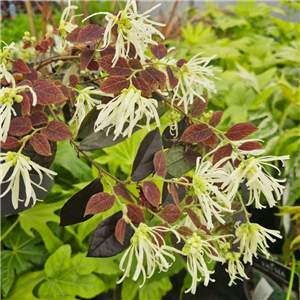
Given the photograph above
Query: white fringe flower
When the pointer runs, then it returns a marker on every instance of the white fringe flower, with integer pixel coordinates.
(259, 181)
(21, 166)
(84, 103)
(145, 247)
(124, 111)
(7, 98)
(5, 58)
(194, 79)
(211, 200)
(253, 237)
(235, 268)
(133, 28)
(195, 249)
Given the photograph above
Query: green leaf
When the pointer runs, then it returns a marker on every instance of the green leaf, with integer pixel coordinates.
(68, 276)
(176, 164)
(23, 254)
(37, 218)
(67, 159)
(155, 289)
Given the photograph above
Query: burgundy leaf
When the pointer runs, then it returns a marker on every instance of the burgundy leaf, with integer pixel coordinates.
(185, 231)
(120, 230)
(215, 118)
(72, 98)
(32, 76)
(72, 37)
(47, 92)
(155, 78)
(90, 33)
(40, 144)
(198, 107)
(135, 64)
(142, 85)
(171, 213)
(98, 203)
(181, 62)
(249, 146)
(189, 200)
(211, 141)
(73, 79)
(172, 79)
(121, 68)
(20, 126)
(191, 156)
(20, 66)
(152, 193)
(174, 194)
(196, 133)
(57, 131)
(25, 104)
(121, 191)
(240, 131)
(114, 84)
(135, 213)
(224, 151)
(93, 66)
(38, 119)
(160, 163)
(86, 57)
(193, 216)
(26, 46)
(108, 51)
(159, 51)
(10, 143)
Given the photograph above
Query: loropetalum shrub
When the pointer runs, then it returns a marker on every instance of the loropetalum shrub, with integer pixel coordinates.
(128, 81)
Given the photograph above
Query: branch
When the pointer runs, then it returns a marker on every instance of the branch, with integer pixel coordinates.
(54, 59)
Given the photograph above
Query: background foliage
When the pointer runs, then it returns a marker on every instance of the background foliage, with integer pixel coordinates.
(259, 56)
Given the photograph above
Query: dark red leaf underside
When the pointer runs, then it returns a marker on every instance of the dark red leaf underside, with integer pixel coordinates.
(171, 213)
(90, 33)
(135, 213)
(222, 152)
(159, 51)
(239, 131)
(121, 191)
(140, 84)
(215, 118)
(86, 57)
(73, 79)
(20, 126)
(20, 66)
(57, 131)
(40, 144)
(38, 118)
(160, 163)
(72, 37)
(211, 141)
(185, 231)
(249, 146)
(172, 79)
(121, 68)
(155, 78)
(114, 84)
(152, 193)
(120, 230)
(10, 143)
(198, 107)
(193, 216)
(98, 203)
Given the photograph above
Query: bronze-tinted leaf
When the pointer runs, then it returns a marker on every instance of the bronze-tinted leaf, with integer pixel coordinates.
(196, 133)
(211, 141)
(222, 152)
(40, 144)
(215, 118)
(171, 213)
(98, 203)
(160, 163)
(47, 92)
(73, 210)
(86, 57)
(174, 194)
(135, 213)
(120, 230)
(156, 79)
(73, 80)
(185, 231)
(108, 51)
(10, 143)
(121, 67)
(249, 146)
(142, 85)
(135, 64)
(167, 197)
(143, 162)
(172, 79)
(121, 191)
(72, 37)
(114, 84)
(189, 200)
(239, 131)
(193, 216)
(38, 119)
(104, 242)
(57, 131)
(159, 51)
(20, 66)
(181, 62)
(93, 66)
(32, 76)
(198, 107)
(20, 126)
(152, 193)
(90, 33)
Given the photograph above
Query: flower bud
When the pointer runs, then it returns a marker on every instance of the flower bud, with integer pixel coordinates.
(19, 98)
(33, 39)
(27, 33)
